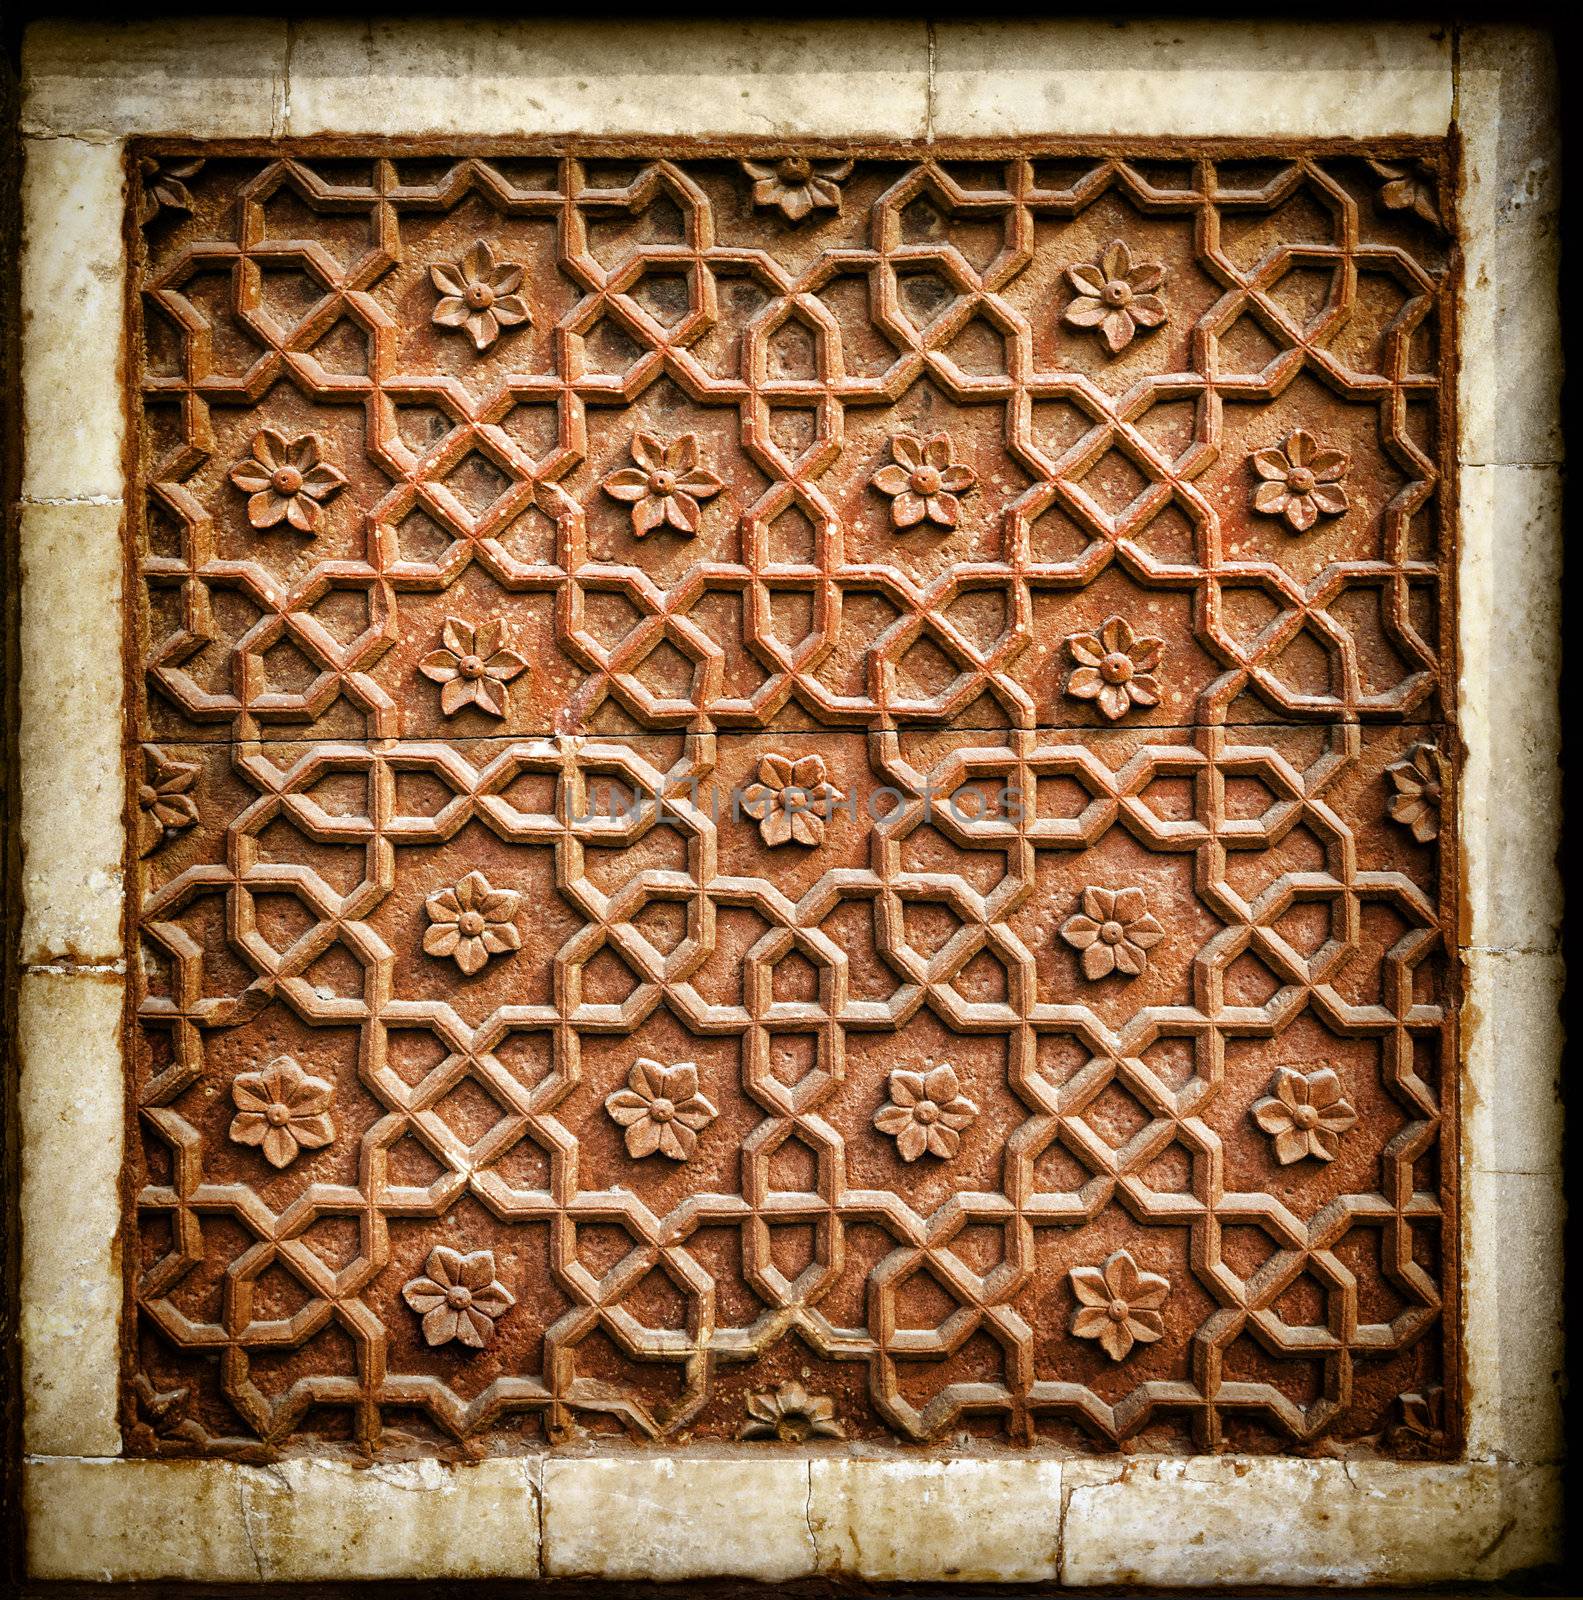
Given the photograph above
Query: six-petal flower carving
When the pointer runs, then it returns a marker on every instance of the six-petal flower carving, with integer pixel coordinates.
(665, 486)
(927, 1112)
(1116, 296)
(1119, 1304)
(1305, 1114)
(458, 1296)
(661, 1109)
(797, 185)
(1114, 930)
(473, 666)
(1418, 779)
(479, 294)
(1301, 481)
(282, 1109)
(790, 1414)
(1115, 667)
(791, 799)
(922, 480)
(472, 922)
(285, 480)
(164, 797)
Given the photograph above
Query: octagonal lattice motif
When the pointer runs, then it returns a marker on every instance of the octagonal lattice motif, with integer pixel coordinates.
(791, 795)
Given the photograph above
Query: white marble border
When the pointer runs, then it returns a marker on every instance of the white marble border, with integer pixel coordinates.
(759, 1513)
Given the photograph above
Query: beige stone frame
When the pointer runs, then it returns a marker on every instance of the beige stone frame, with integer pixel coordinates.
(757, 1512)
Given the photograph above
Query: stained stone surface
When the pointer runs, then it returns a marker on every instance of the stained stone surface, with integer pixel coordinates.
(793, 795)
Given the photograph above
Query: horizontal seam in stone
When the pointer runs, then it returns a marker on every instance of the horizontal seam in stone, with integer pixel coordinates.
(77, 136)
(70, 500)
(1118, 1468)
(73, 969)
(283, 734)
(41, 1456)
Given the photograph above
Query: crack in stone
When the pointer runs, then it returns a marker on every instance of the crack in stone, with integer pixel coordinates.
(1496, 1542)
(807, 1516)
(535, 1488)
(928, 103)
(283, 733)
(283, 125)
(243, 1503)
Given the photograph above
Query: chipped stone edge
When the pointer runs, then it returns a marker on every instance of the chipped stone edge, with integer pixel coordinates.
(95, 1516)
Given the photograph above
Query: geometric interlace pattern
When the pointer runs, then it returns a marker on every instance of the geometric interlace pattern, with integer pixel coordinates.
(792, 794)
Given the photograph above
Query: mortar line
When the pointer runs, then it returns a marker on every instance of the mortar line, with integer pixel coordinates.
(1068, 731)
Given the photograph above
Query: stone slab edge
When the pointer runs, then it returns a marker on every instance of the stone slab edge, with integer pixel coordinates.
(86, 89)
(777, 1517)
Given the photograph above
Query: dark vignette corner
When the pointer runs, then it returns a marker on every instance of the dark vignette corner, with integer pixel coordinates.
(12, 1578)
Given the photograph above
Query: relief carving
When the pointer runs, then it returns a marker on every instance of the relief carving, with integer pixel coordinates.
(458, 1297)
(472, 922)
(1115, 931)
(933, 941)
(1409, 186)
(1118, 1304)
(1115, 668)
(473, 667)
(165, 798)
(1117, 296)
(1420, 1428)
(661, 1109)
(479, 294)
(926, 1113)
(1417, 779)
(164, 1410)
(923, 482)
(283, 1110)
(791, 1415)
(285, 481)
(1305, 1114)
(164, 188)
(1301, 481)
(797, 186)
(666, 485)
(791, 799)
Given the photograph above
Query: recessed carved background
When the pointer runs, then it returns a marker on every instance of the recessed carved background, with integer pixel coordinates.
(792, 796)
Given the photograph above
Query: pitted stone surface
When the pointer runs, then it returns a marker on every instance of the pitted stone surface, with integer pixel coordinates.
(793, 795)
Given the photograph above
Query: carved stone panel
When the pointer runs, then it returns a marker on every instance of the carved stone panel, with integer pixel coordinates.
(792, 795)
